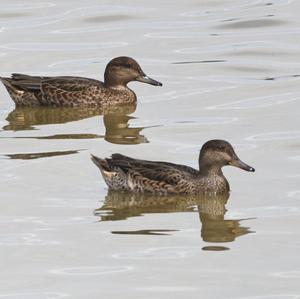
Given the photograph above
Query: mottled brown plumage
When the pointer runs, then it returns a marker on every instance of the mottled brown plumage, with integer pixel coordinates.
(71, 91)
(125, 173)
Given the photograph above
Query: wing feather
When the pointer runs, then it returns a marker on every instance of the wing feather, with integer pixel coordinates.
(168, 173)
(71, 84)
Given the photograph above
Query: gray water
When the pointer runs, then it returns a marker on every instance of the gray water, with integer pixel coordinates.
(230, 70)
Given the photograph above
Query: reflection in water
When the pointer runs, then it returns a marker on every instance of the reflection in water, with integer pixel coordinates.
(115, 120)
(119, 132)
(120, 205)
(246, 24)
(68, 136)
(145, 232)
(25, 118)
(107, 19)
(281, 77)
(200, 61)
(29, 156)
(214, 227)
(214, 248)
(62, 136)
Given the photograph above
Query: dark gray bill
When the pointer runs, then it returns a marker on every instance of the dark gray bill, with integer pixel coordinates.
(240, 164)
(146, 79)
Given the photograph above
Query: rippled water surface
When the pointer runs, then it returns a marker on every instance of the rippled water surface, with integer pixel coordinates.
(230, 70)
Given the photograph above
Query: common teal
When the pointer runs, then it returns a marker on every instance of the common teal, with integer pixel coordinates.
(71, 91)
(125, 173)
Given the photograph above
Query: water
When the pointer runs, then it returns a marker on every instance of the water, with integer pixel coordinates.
(230, 70)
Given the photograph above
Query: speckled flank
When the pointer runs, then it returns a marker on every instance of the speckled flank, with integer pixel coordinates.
(91, 95)
(69, 91)
(125, 173)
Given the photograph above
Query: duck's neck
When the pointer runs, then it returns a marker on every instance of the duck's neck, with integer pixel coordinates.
(111, 81)
(213, 178)
(115, 85)
(207, 169)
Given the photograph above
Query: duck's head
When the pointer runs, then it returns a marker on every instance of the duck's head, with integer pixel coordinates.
(215, 154)
(122, 70)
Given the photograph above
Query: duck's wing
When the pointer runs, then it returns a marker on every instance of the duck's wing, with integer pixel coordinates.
(71, 91)
(70, 84)
(154, 170)
(65, 83)
(180, 167)
(60, 91)
(124, 173)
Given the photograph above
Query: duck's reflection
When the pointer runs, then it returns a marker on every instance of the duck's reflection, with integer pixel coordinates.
(26, 118)
(115, 120)
(211, 208)
(30, 156)
(118, 130)
(214, 227)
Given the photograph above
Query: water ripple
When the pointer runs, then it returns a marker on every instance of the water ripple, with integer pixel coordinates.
(235, 6)
(108, 9)
(294, 194)
(26, 6)
(196, 34)
(49, 221)
(248, 24)
(158, 253)
(288, 274)
(259, 102)
(69, 14)
(34, 295)
(283, 135)
(269, 212)
(98, 270)
(27, 239)
(295, 158)
(129, 26)
(240, 46)
(168, 289)
(62, 46)
(86, 29)
(192, 121)
(171, 95)
(273, 296)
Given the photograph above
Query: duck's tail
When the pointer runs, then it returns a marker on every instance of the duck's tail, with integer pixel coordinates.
(113, 176)
(7, 82)
(102, 164)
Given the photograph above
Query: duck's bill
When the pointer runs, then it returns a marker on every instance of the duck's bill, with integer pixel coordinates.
(148, 80)
(240, 164)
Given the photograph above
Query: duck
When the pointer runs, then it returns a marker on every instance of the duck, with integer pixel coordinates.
(125, 173)
(69, 91)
